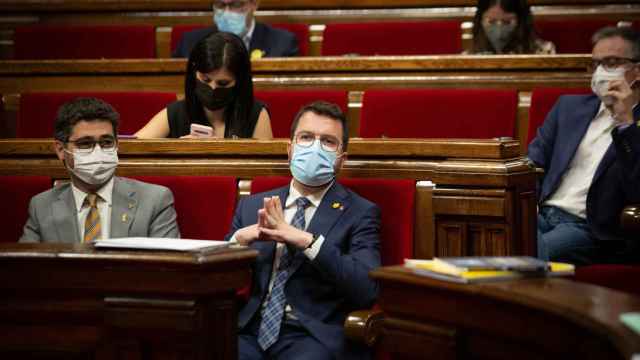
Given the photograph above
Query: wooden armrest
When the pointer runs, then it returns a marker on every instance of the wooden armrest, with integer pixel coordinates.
(630, 219)
(364, 326)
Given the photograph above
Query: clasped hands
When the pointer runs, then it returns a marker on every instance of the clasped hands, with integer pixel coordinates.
(272, 226)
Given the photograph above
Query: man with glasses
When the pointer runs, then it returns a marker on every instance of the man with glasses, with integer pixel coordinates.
(589, 148)
(95, 204)
(317, 242)
(237, 17)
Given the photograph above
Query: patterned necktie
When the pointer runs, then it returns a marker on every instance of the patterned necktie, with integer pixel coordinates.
(92, 228)
(273, 310)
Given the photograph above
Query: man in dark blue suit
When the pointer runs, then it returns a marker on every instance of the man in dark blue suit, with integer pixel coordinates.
(317, 242)
(237, 17)
(589, 148)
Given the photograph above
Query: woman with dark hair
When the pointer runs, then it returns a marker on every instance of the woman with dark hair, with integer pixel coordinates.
(218, 93)
(506, 27)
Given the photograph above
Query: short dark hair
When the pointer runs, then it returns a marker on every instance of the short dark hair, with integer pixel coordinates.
(627, 33)
(83, 109)
(524, 38)
(324, 108)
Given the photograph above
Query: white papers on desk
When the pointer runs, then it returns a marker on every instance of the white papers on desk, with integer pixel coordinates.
(142, 243)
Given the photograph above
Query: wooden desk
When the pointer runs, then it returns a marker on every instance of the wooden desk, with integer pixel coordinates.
(524, 319)
(73, 302)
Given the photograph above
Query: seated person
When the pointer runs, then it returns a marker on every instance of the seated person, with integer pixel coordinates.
(96, 204)
(506, 27)
(589, 148)
(218, 92)
(237, 17)
(315, 236)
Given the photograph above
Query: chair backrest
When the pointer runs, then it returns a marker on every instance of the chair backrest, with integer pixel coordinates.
(439, 113)
(204, 204)
(614, 276)
(37, 113)
(542, 100)
(392, 38)
(573, 36)
(301, 31)
(283, 105)
(396, 199)
(85, 42)
(16, 192)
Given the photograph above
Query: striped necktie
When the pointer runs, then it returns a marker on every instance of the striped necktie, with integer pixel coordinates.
(273, 310)
(92, 227)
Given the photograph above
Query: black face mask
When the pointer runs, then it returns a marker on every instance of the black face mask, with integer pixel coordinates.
(214, 99)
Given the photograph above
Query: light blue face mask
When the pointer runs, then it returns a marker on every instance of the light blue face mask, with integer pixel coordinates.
(231, 21)
(313, 166)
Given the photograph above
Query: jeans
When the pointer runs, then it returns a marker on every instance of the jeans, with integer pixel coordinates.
(564, 237)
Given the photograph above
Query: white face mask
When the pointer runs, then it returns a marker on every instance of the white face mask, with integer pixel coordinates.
(95, 167)
(600, 82)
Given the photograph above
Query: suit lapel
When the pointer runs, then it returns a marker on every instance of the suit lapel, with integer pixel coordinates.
(65, 216)
(610, 155)
(257, 41)
(124, 205)
(582, 117)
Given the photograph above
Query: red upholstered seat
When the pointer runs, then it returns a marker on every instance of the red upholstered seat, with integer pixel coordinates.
(392, 38)
(16, 192)
(283, 105)
(204, 204)
(85, 42)
(301, 31)
(439, 113)
(542, 100)
(396, 199)
(572, 36)
(37, 113)
(618, 277)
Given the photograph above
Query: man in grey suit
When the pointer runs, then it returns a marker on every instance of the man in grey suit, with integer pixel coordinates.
(85, 140)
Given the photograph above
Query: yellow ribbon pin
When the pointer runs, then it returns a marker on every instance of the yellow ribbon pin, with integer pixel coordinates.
(257, 54)
(125, 218)
(335, 205)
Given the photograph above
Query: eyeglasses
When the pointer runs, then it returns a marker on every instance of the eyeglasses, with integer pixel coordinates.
(87, 144)
(327, 142)
(233, 5)
(611, 63)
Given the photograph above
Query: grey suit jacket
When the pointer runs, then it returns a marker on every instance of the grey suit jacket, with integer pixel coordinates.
(138, 210)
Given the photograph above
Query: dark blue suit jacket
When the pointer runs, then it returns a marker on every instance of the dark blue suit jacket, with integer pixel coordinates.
(616, 182)
(323, 291)
(274, 42)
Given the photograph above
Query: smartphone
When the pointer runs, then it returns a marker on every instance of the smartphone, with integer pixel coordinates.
(201, 130)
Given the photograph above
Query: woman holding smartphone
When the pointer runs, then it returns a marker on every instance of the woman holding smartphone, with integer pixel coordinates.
(218, 93)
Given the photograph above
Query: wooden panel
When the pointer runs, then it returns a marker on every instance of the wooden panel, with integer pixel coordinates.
(451, 238)
(425, 228)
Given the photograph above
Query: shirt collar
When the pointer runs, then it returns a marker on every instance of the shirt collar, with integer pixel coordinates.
(315, 198)
(105, 193)
(247, 37)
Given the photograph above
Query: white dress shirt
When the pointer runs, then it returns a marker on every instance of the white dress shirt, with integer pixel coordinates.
(246, 39)
(104, 204)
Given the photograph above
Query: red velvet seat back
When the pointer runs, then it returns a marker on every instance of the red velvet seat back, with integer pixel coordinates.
(396, 199)
(439, 113)
(301, 31)
(392, 38)
(16, 192)
(617, 277)
(204, 204)
(283, 105)
(37, 113)
(572, 36)
(85, 42)
(542, 100)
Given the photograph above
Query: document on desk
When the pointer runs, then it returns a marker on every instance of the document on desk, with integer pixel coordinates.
(142, 243)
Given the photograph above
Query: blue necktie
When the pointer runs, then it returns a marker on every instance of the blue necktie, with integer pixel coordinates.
(273, 310)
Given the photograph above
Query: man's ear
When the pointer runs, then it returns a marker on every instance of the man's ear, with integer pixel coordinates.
(58, 147)
(289, 154)
(340, 161)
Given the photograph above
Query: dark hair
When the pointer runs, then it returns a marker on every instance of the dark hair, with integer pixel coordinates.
(221, 50)
(627, 33)
(524, 39)
(324, 108)
(83, 109)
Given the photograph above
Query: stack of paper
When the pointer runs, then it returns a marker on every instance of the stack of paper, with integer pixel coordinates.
(161, 244)
(479, 269)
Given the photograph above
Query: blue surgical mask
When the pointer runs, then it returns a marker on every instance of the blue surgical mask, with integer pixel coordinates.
(231, 21)
(313, 166)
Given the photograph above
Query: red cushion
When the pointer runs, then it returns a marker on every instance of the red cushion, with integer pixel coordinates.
(37, 113)
(301, 31)
(396, 199)
(572, 36)
(439, 113)
(618, 277)
(85, 42)
(204, 204)
(16, 192)
(392, 38)
(542, 100)
(283, 105)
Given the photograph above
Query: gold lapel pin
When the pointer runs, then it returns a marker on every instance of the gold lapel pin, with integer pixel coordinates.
(125, 217)
(335, 205)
